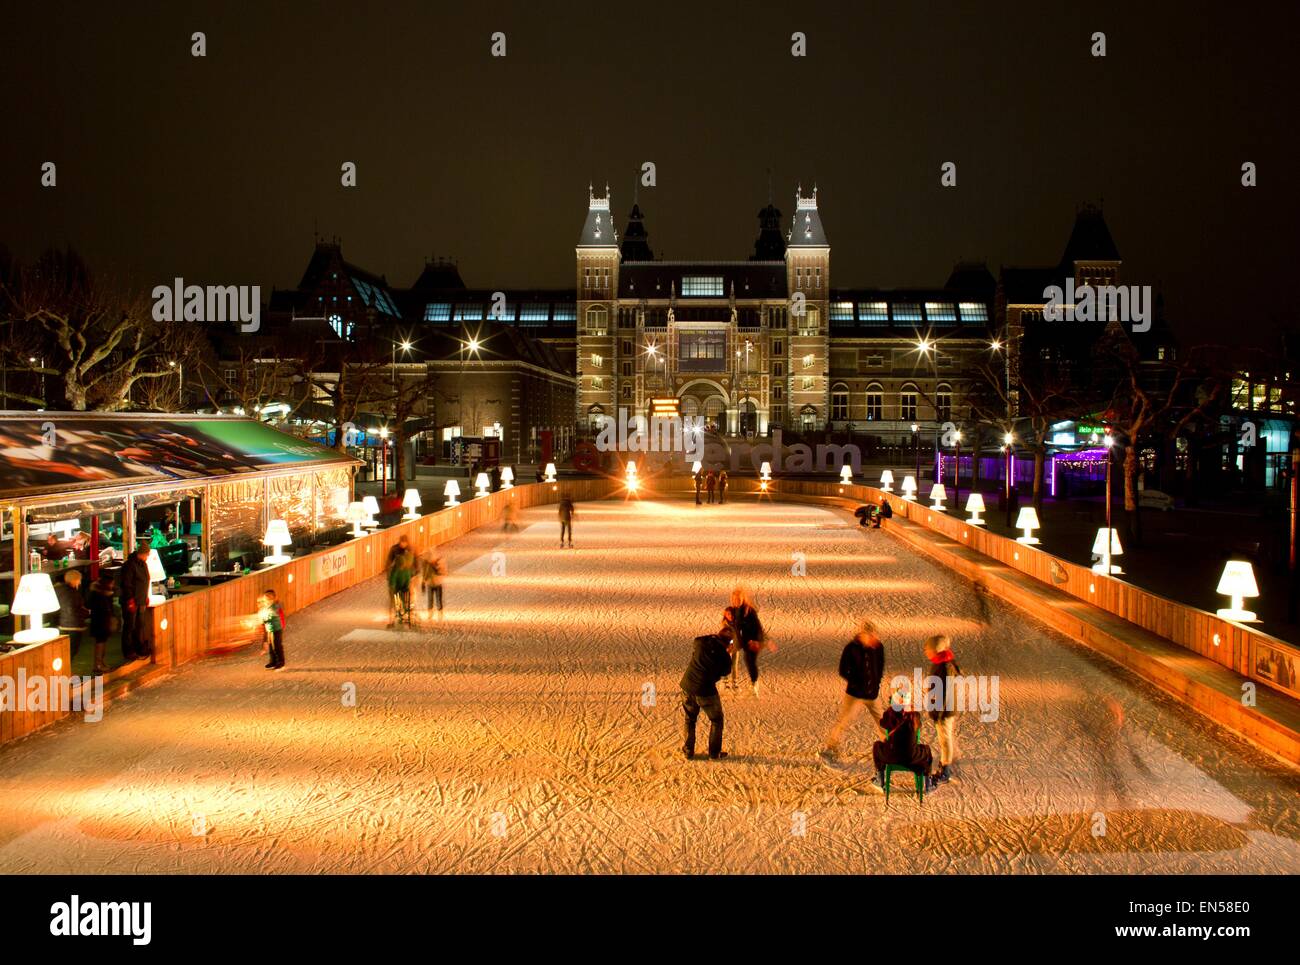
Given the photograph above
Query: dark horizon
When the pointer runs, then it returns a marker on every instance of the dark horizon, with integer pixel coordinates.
(220, 169)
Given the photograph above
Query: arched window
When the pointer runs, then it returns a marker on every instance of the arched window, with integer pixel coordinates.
(596, 417)
(597, 320)
(808, 418)
(875, 402)
(943, 402)
(907, 403)
(840, 402)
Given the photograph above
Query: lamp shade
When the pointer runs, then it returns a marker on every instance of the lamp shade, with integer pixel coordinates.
(1238, 579)
(355, 513)
(277, 533)
(507, 475)
(938, 492)
(482, 483)
(909, 484)
(887, 478)
(974, 503)
(550, 471)
(371, 504)
(1099, 544)
(452, 488)
(411, 499)
(156, 572)
(631, 467)
(765, 471)
(35, 596)
(1028, 518)
(846, 474)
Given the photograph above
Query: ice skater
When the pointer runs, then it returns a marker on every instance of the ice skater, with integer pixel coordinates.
(710, 662)
(710, 485)
(567, 512)
(269, 616)
(741, 621)
(722, 487)
(401, 568)
(938, 650)
(699, 485)
(432, 570)
(862, 664)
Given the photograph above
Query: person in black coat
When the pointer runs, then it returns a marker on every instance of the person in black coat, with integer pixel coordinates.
(710, 662)
(901, 745)
(134, 594)
(699, 485)
(710, 484)
(741, 621)
(943, 666)
(73, 612)
(862, 664)
(886, 512)
(101, 619)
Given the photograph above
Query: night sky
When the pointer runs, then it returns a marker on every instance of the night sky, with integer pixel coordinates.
(218, 169)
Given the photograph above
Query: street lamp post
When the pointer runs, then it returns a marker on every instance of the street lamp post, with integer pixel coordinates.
(956, 468)
(383, 435)
(1008, 441)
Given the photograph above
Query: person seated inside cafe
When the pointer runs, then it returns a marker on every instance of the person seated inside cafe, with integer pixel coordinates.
(81, 546)
(53, 549)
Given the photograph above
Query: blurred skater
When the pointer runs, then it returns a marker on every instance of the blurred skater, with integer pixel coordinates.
(862, 664)
(722, 487)
(510, 519)
(269, 617)
(432, 570)
(710, 485)
(699, 486)
(746, 630)
(567, 513)
(938, 650)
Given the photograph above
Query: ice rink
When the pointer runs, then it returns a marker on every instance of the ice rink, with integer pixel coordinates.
(535, 728)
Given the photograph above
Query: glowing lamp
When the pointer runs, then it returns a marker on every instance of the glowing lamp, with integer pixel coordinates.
(35, 597)
(156, 575)
(372, 507)
(411, 500)
(356, 515)
(452, 492)
(1028, 521)
(909, 488)
(846, 474)
(1106, 548)
(938, 493)
(975, 506)
(277, 537)
(550, 472)
(482, 483)
(887, 481)
(765, 471)
(1237, 582)
(507, 478)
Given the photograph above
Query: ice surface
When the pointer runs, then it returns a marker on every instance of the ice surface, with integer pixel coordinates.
(513, 735)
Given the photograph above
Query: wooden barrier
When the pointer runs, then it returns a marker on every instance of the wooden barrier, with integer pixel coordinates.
(213, 618)
(35, 661)
(1232, 645)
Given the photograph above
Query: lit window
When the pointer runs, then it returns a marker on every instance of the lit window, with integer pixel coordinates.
(437, 312)
(973, 313)
(875, 402)
(702, 286)
(907, 405)
(808, 361)
(469, 313)
(597, 320)
(597, 382)
(809, 383)
(840, 405)
(940, 312)
(907, 312)
(873, 313)
(534, 314)
(841, 312)
(597, 361)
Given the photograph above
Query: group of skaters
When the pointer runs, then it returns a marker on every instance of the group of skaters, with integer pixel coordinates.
(408, 572)
(711, 483)
(897, 722)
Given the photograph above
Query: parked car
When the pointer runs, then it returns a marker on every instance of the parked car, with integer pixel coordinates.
(1155, 499)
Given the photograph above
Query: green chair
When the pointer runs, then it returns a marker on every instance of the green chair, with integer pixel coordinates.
(920, 781)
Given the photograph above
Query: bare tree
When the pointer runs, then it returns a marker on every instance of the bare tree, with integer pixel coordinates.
(97, 341)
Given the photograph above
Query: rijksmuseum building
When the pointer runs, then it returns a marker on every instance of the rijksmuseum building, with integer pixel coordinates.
(751, 344)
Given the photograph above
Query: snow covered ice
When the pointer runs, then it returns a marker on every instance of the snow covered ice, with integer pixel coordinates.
(515, 736)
